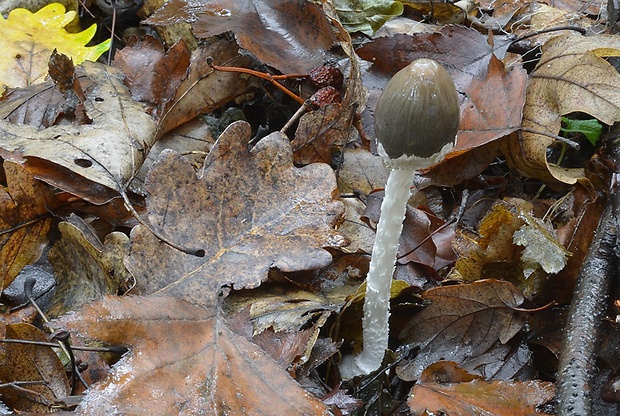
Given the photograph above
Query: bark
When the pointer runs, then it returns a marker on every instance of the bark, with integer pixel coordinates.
(577, 362)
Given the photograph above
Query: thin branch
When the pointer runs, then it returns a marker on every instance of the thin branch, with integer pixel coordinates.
(577, 362)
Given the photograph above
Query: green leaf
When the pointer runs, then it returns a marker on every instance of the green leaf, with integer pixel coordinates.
(366, 16)
(590, 128)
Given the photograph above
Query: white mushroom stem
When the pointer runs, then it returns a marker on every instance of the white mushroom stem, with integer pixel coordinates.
(379, 279)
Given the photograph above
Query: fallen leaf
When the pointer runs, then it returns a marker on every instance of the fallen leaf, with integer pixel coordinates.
(362, 172)
(503, 362)
(31, 363)
(541, 246)
(183, 360)
(366, 16)
(360, 236)
(493, 242)
(280, 308)
(571, 76)
(85, 268)
(462, 321)
(443, 388)
(322, 134)
(28, 41)
(167, 69)
(250, 210)
(204, 90)
(62, 72)
(93, 160)
(24, 220)
(291, 36)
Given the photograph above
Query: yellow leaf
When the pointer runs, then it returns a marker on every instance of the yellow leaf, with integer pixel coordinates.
(28, 40)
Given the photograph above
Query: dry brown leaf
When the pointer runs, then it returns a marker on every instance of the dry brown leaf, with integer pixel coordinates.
(93, 160)
(572, 76)
(24, 221)
(291, 36)
(445, 388)
(250, 211)
(462, 321)
(183, 360)
(31, 363)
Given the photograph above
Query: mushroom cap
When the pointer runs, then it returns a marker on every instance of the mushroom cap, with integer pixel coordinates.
(417, 116)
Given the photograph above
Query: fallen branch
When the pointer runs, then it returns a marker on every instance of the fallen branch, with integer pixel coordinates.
(577, 361)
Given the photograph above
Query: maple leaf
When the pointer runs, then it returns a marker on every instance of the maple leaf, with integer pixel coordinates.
(184, 360)
(251, 210)
(28, 40)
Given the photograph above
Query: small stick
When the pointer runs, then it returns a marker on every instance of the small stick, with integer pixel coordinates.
(271, 78)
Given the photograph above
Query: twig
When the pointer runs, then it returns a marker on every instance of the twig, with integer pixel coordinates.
(113, 350)
(574, 393)
(271, 78)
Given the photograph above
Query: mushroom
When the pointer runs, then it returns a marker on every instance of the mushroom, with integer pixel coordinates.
(416, 121)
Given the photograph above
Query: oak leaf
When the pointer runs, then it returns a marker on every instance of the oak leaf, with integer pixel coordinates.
(462, 321)
(571, 76)
(28, 40)
(183, 360)
(248, 212)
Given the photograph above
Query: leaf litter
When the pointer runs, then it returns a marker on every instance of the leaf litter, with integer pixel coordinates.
(271, 300)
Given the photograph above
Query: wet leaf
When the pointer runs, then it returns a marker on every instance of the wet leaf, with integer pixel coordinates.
(167, 372)
(92, 160)
(28, 40)
(462, 321)
(291, 36)
(85, 268)
(572, 76)
(541, 246)
(366, 16)
(322, 134)
(444, 388)
(249, 211)
(24, 220)
(281, 308)
(167, 69)
(361, 172)
(31, 363)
